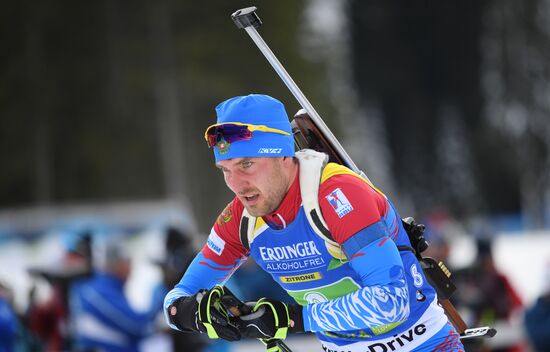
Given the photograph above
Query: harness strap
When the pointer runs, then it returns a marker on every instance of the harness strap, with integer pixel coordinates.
(363, 238)
(246, 229)
(243, 230)
(318, 221)
(312, 164)
(406, 248)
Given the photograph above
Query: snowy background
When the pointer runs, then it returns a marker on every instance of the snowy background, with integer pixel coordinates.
(103, 106)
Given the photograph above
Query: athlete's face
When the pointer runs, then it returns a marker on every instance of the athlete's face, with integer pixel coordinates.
(259, 183)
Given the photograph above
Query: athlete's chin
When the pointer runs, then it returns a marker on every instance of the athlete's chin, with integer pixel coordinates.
(258, 209)
(255, 211)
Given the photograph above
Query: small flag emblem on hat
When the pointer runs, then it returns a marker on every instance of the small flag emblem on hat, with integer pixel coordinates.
(223, 146)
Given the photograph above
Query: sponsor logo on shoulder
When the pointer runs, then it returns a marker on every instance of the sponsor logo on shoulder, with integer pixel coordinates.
(270, 150)
(215, 243)
(339, 202)
(301, 278)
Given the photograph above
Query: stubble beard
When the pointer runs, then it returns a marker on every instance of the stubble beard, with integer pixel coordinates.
(274, 195)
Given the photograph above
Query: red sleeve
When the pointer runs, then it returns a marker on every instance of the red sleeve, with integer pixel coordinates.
(349, 205)
(224, 245)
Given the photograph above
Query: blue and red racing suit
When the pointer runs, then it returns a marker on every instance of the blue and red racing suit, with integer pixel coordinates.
(378, 300)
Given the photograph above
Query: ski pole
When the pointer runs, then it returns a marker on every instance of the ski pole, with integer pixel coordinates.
(248, 20)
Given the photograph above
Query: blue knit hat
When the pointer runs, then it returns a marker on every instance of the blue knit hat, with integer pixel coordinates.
(257, 110)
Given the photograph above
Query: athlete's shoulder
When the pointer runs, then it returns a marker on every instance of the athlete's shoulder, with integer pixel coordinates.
(223, 244)
(333, 169)
(348, 202)
(231, 214)
(339, 176)
(228, 222)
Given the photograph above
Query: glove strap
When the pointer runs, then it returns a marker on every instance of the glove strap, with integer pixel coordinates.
(280, 313)
(209, 301)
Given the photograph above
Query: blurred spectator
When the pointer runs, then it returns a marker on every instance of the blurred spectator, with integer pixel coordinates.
(438, 248)
(102, 317)
(486, 297)
(537, 317)
(49, 320)
(8, 321)
(179, 253)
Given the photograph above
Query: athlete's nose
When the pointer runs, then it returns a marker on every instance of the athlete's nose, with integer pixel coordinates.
(237, 183)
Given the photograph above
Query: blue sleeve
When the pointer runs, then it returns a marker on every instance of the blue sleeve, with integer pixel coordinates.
(381, 303)
(202, 273)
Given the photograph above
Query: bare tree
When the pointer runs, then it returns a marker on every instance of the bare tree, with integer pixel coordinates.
(516, 79)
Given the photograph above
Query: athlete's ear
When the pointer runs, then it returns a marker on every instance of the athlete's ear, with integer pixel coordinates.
(293, 159)
(285, 160)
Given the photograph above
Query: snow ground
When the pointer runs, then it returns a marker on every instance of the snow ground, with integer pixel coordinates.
(521, 256)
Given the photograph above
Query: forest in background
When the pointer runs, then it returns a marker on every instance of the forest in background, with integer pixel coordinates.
(444, 105)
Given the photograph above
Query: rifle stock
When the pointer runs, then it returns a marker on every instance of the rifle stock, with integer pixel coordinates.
(440, 278)
(453, 315)
(308, 135)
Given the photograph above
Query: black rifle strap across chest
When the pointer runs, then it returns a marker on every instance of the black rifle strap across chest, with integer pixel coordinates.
(243, 229)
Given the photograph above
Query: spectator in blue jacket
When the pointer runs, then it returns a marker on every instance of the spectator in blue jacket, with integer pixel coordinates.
(8, 322)
(103, 319)
(537, 318)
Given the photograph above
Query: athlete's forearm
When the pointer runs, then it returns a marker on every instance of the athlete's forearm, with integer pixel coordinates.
(383, 301)
(372, 307)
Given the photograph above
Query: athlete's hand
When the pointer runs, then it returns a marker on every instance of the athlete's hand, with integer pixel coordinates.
(269, 318)
(203, 312)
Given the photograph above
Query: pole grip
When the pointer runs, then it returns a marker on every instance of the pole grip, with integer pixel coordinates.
(246, 17)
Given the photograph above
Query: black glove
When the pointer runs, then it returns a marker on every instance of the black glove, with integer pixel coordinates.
(203, 312)
(270, 319)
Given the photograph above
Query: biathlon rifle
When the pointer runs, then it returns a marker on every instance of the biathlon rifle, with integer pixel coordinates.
(310, 131)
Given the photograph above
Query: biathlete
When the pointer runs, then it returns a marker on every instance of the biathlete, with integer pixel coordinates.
(332, 240)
